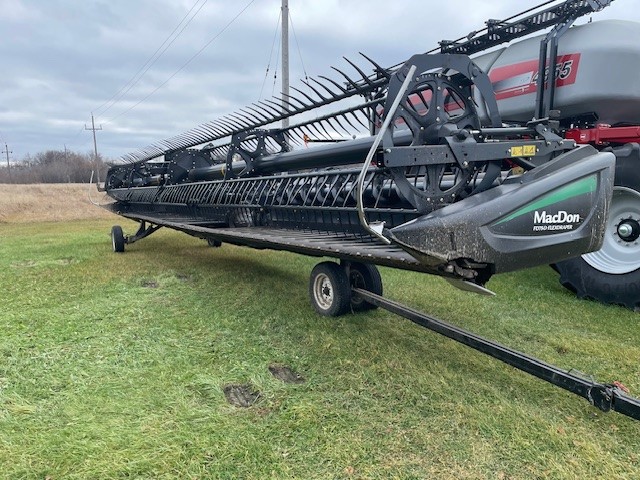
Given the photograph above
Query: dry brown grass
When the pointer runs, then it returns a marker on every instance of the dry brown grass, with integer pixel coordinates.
(49, 203)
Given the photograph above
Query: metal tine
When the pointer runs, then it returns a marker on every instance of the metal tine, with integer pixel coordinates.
(337, 119)
(285, 112)
(344, 115)
(333, 82)
(292, 109)
(291, 97)
(339, 124)
(318, 130)
(261, 106)
(224, 129)
(276, 114)
(306, 130)
(205, 136)
(380, 70)
(358, 118)
(325, 99)
(364, 76)
(348, 79)
(241, 121)
(237, 126)
(200, 136)
(159, 151)
(255, 123)
(188, 136)
(167, 145)
(208, 128)
(331, 92)
(292, 138)
(314, 103)
(215, 129)
(321, 123)
(232, 127)
(259, 112)
(248, 115)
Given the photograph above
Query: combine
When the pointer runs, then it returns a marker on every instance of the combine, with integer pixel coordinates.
(456, 163)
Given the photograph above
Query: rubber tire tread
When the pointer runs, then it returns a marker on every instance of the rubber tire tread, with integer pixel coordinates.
(587, 282)
(372, 279)
(339, 283)
(117, 239)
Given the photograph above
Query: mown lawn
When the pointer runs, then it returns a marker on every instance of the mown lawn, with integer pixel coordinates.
(113, 366)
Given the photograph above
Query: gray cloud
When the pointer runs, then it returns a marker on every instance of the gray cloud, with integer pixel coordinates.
(63, 59)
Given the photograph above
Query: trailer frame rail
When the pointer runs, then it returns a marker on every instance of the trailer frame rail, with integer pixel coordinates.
(604, 396)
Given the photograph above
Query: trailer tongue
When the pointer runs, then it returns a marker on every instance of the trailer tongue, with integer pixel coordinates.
(432, 181)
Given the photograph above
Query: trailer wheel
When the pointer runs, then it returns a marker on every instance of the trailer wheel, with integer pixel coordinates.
(329, 289)
(366, 277)
(117, 239)
(212, 242)
(612, 274)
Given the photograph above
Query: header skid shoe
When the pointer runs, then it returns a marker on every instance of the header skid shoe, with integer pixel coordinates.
(551, 213)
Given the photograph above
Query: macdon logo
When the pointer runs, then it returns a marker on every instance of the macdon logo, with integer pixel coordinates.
(560, 221)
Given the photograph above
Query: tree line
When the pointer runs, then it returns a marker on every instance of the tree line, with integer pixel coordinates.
(54, 166)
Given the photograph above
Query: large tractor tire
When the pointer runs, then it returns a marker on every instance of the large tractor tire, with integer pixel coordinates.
(612, 274)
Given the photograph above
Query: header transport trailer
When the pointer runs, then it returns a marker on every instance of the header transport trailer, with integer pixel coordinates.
(446, 164)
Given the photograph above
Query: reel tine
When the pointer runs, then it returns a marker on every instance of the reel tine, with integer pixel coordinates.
(349, 81)
(313, 102)
(336, 84)
(358, 118)
(259, 116)
(333, 94)
(258, 110)
(380, 70)
(344, 115)
(241, 122)
(364, 76)
(291, 97)
(271, 110)
(324, 99)
(329, 120)
(283, 112)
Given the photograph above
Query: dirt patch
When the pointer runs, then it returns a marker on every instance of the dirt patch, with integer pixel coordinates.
(241, 395)
(286, 374)
(150, 284)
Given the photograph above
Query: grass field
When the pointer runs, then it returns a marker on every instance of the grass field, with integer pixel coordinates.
(115, 366)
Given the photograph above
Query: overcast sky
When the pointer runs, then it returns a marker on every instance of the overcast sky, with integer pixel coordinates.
(63, 59)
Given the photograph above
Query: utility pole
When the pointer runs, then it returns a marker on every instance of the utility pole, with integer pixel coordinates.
(95, 146)
(93, 128)
(7, 152)
(285, 60)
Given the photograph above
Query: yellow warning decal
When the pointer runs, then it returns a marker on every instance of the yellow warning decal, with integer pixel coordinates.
(523, 151)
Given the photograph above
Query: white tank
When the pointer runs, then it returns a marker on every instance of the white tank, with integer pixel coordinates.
(598, 72)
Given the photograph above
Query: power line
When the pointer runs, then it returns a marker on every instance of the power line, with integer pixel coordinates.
(152, 60)
(306, 77)
(275, 38)
(184, 65)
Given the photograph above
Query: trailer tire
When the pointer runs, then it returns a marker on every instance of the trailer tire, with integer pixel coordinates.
(117, 239)
(366, 277)
(612, 274)
(329, 289)
(212, 242)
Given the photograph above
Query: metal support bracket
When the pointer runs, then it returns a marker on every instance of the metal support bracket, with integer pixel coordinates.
(143, 232)
(376, 229)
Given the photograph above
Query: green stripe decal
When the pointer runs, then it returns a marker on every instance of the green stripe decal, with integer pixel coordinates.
(580, 187)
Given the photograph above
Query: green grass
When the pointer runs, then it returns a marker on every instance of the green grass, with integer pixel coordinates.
(113, 366)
